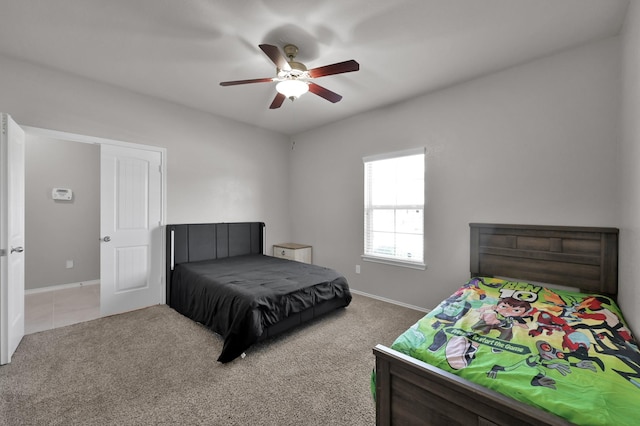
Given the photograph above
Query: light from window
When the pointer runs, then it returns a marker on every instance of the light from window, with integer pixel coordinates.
(394, 208)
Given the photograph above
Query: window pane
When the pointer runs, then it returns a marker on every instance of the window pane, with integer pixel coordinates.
(383, 183)
(382, 220)
(409, 246)
(410, 180)
(397, 181)
(383, 244)
(409, 221)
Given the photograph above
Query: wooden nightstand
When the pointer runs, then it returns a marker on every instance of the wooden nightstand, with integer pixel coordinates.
(293, 251)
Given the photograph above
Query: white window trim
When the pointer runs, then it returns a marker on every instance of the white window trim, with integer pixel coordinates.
(394, 262)
(395, 154)
(384, 260)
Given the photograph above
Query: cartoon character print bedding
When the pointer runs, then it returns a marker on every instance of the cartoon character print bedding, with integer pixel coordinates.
(565, 352)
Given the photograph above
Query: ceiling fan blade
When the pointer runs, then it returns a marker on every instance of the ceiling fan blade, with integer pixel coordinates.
(277, 101)
(324, 93)
(276, 57)
(255, 80)
(339, 68)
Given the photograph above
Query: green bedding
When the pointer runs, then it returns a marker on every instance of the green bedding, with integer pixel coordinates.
(567, 353)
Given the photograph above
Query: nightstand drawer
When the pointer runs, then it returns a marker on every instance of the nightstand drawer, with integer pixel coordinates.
(293, 251)
(286, 253)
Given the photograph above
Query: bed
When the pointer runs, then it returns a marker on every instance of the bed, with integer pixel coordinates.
(565, 351)
(218, 275)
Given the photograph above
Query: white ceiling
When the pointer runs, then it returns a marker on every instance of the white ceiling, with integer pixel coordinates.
(179, 50)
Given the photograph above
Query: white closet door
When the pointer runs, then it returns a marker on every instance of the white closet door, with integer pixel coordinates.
(131, 233)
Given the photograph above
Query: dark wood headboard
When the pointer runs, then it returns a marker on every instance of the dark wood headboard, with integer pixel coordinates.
(580, 257)
(208, 241)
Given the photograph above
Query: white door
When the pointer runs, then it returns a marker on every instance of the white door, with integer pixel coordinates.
(131, 233)
(12, 151)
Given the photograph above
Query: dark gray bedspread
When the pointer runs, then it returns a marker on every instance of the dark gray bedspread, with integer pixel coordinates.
(238, 297)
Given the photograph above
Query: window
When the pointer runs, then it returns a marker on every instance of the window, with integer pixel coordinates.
(394, 208)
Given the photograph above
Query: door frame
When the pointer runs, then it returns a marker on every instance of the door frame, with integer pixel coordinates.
(73, 137)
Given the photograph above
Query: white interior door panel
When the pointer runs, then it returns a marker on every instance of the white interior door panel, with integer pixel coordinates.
(131, 234)
(12, 169)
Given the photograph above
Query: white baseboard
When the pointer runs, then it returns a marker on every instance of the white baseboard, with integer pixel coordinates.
(395, 302)
(61, 287)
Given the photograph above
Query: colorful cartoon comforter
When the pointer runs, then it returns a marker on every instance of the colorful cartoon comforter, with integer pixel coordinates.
(567, 353)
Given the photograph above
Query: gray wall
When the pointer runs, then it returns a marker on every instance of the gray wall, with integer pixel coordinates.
(58, 231)
(629, 297)
(218, 170)
(534, 144)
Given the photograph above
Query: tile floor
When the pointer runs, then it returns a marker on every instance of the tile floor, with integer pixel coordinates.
(57, 308)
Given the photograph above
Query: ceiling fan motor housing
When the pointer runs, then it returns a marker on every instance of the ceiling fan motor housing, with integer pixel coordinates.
(298, 69)
(291, 51)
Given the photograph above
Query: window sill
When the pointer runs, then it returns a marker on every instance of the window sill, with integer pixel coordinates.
(393, 262)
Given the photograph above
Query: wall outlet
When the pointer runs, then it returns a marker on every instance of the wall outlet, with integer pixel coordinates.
(69, 264)
(357, 269)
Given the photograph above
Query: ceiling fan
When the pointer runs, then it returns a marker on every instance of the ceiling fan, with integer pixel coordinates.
(294, 79)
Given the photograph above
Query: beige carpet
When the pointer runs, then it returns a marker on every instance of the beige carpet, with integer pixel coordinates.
(154, 366)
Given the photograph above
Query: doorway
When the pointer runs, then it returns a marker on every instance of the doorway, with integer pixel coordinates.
(67, 231)
(62, 218)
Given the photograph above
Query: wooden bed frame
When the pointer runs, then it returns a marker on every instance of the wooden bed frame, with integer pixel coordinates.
(411, 392)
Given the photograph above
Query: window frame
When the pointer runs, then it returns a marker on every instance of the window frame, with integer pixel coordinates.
(420, 264)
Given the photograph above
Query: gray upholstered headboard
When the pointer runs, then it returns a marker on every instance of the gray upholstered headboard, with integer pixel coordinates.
(207, 241)
(581, 257)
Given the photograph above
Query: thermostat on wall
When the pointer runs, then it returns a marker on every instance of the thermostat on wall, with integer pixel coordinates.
(64, 194)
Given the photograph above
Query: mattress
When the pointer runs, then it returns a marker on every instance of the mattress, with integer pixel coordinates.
(568, 353)
(242, 296)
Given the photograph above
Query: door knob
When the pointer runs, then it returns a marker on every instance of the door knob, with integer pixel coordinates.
(106, 239)
(17, 249)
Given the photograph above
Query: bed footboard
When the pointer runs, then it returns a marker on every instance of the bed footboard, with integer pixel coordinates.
(411, 392)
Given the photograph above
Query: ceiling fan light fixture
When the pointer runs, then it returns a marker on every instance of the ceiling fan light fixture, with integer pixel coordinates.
(292, 88)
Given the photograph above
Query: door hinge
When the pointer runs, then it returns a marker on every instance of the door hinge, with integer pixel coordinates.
(4, 124)
(3, 252)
